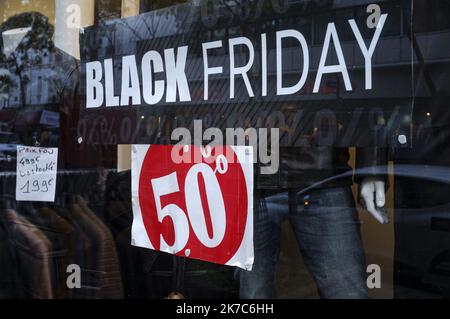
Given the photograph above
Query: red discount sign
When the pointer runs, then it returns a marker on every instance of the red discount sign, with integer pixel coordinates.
(194, 202)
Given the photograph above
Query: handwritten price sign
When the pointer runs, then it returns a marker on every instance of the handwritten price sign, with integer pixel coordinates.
(200, 207)
(36, 173)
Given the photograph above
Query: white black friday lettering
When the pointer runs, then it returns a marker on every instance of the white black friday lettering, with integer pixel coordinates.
(175, 87)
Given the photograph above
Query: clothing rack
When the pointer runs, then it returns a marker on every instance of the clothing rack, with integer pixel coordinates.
(70, 183)
(50, 222)
(85, 183)
(64, 172)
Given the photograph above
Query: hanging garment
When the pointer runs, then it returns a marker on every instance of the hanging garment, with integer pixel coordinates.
(32, 258)
(64, 234)
(83, 254)
(108, 279)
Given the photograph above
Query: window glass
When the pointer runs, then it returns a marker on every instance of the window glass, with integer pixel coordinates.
(224, 149)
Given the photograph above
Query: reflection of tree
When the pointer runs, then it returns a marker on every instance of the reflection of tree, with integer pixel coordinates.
(107, 10)
(36, 45)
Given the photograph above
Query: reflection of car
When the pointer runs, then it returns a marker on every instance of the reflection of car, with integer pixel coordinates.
(8, 147)
(422, 229)
(422, 255)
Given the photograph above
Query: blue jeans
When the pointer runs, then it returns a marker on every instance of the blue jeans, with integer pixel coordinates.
(327, 229)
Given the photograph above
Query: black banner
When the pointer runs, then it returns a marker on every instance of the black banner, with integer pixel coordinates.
(325, 73)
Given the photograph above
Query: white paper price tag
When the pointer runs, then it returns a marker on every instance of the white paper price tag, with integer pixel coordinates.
(36, 173)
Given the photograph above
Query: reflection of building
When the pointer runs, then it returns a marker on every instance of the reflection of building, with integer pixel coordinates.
(34, 78)
(42, 83)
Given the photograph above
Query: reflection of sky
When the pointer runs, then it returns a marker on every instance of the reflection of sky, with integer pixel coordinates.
(12, 39)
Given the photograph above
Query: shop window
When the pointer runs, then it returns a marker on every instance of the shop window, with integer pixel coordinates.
(330, 140)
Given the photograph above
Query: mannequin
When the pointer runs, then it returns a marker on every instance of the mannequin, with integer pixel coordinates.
(12, 39)
(324, 220)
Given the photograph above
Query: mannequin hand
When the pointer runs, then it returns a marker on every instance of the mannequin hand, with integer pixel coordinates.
(374, 199)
